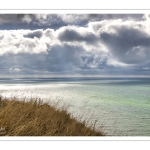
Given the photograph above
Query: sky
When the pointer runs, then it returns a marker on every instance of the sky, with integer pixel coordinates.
(74, 45)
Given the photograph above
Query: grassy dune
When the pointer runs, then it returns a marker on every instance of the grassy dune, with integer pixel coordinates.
(34, 118)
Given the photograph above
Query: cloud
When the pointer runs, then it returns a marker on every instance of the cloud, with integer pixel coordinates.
(76, 34)
(25, 41)
(41, 19)
(63, 59)
(33, 34)
(128, 41)
(79, 36)
(125, 42)
(90, 44)
(63, 19)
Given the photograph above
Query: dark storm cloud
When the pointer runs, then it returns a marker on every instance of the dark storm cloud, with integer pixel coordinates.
(129, 45)
(75, 34)
(127, 41)
(33, 34)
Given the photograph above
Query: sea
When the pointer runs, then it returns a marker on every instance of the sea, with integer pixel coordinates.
(114, 106)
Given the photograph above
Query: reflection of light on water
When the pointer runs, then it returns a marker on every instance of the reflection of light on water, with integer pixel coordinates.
(12, 87)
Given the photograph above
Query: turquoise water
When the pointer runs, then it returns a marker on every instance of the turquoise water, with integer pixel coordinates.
(116, 106)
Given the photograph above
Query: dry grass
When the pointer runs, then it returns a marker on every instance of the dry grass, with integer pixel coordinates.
(34, 118)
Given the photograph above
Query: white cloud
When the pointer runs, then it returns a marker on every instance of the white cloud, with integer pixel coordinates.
(25, 41)
(111, 26)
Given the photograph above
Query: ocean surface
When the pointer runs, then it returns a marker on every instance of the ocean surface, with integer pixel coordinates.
(115, 106)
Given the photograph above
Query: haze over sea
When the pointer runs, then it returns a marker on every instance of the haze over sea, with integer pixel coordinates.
(117, 106)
